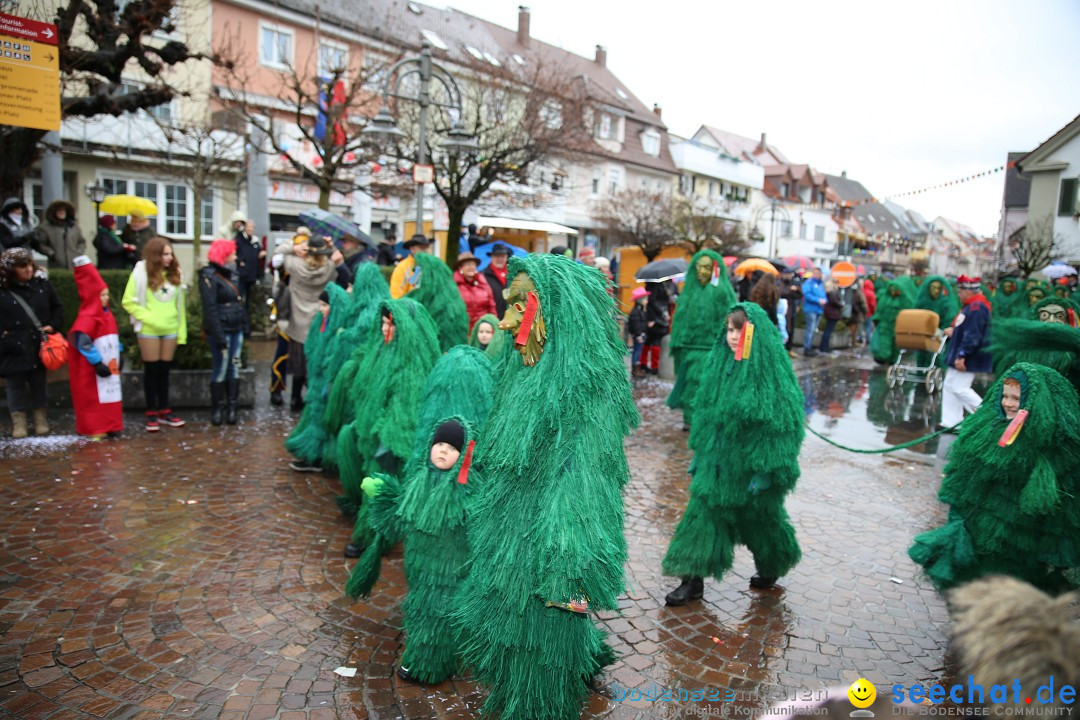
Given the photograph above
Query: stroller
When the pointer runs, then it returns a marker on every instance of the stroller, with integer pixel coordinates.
(917, 331)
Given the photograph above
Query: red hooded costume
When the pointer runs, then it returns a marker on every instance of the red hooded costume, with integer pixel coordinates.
(98, 409)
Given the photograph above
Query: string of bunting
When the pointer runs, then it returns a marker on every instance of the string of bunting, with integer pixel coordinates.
(950, 183)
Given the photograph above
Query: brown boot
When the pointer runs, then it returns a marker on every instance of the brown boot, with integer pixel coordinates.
(41, 423)
(18, 424)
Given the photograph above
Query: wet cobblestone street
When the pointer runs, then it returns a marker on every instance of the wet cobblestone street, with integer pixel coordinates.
(193, 574)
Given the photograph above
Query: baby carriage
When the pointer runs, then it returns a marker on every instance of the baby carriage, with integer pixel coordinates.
(917, 332)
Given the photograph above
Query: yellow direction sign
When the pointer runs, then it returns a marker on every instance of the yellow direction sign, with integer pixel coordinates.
(29, 74)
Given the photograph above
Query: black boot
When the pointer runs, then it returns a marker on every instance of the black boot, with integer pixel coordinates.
(275, 398)
(217, 402)
(233, 399)
(352, 550)
(297, 403)
(691, 589)
(761, 582)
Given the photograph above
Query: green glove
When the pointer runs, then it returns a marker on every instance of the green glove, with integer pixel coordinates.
(371, 486)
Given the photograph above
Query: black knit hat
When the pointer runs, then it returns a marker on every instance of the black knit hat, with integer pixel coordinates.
(324, 297)
(450, 432)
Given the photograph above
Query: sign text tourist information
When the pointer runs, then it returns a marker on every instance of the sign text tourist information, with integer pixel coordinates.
(29, 73)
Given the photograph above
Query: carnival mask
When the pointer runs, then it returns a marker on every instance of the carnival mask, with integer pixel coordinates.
(524, 318)
(894, 292)
(935, 290)
(1008, 287)
(704, 270)
(1061, 291)
(1053, 313)
(1036, 295)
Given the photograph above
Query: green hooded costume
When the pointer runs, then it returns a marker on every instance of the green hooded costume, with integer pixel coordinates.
(1050, 337)
(1007, 301)
(386, 391)
(1035, 291)
(699, 319)
(1013, 510)
(945, 305)
(438, 293)
(546, 526)
(309, 440)
(1061, 291)
(897, 296)
(368, 290)
(494, 348)
(746, 444)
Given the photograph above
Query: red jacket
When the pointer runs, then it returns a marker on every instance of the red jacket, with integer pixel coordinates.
(871, 297)
(479, 300)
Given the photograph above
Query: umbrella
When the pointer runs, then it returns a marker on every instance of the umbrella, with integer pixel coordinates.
(730, 260)
(483, 252)
(748, 266)
(799, 262)
(780, 265)
(661, 270)
(324, 222)
(860, 270)
(1058, 269)
(127, 204)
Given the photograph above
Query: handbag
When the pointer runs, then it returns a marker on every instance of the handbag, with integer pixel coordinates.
(54, 348)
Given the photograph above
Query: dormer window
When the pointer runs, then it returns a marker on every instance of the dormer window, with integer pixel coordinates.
(604, 131)
(650, 142)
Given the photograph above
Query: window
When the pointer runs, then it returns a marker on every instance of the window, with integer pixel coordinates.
(163, 113)
(1067, 204)
(207, 214)
(375, 72)
(333, 59)
(432, 37)
(621, 93)
(712, 188)
(785, 228)
(650, 143)
(784, 189)
(551, 114)
(492, 59)
(614, 178)
(475, 52)
(596, 177)
(684, 184)
(605, 127)
(819, 233)
(802, 230)
(276, 46)
(176, 206)
(518, 59)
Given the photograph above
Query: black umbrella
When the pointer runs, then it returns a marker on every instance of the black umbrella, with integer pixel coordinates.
(779, 265)
(661, 270)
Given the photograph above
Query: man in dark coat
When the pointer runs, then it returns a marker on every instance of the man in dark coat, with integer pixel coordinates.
(495, 274)
(249, 255)
(967, 353)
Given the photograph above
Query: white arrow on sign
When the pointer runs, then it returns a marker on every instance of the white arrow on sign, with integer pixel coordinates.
(47, 33)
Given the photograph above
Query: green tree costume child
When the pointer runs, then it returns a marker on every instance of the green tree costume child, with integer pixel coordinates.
(1014, 502)
(546, 526)
(699, 319)
(746, 442)
(399, 353)
(898, 296)
(487, 337)
(438, 293)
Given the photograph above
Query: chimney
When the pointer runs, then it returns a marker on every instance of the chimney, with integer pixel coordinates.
(523, 26)
(763, 145)
(657, 109)
(843, 173)
(601, 56)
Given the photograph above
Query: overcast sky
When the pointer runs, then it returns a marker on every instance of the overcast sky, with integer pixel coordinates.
(901, 95)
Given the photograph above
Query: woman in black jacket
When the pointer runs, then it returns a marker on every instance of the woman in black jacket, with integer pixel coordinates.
(225, 321)
(834, 304)
(20, 336)
(112, 252)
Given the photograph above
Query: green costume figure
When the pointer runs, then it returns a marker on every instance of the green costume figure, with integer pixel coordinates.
(897, 296)
(309, 440)
(1051, 337)
(1007, 300)
(1062, 291)
(369, 289)
(935, 295)
(438, 293)
(487, 337)
(746, 444)
(545, 532)
(400, 351)
(1014, 503)
(698, 321)
(1035, 293)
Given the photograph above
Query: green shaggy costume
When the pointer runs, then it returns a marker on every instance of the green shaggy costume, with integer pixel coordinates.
(494, 349)
(386, 389)
(898, 296)
(698, 320)
(1047, 338)
(1013, 510)
(945, 305)
(438, 293)
(546, 525)
(1007, 301)
(746, 444)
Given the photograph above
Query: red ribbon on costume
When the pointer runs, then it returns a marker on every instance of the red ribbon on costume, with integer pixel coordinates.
(1013, 430)
(531, 306)
(1072, 318)
(463, 473)
(322, 328)
(389, 333)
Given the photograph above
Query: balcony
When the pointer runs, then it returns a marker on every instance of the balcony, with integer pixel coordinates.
(707, 161)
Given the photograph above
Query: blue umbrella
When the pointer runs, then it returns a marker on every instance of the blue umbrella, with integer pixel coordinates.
(323, 222)
(483, 252)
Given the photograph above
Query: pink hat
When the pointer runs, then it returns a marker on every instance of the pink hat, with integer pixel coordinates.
(639, 293)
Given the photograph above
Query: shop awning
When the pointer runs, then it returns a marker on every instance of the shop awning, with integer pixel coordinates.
(512, 224)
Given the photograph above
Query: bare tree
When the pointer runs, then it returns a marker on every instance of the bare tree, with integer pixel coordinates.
(98, 42)
(324, 111)
(639, 217)
(1034, 246)
(699, 229)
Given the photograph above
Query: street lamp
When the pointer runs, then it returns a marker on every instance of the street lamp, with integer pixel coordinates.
(383, 128)
(96, 192)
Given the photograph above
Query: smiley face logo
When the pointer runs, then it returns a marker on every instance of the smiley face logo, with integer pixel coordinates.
(862, 693)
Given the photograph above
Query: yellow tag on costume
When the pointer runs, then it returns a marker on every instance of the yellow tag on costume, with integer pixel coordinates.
(746, 342)
(1013, 430)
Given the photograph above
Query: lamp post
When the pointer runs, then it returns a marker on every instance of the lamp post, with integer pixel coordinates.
(383, 128)
(96, 192)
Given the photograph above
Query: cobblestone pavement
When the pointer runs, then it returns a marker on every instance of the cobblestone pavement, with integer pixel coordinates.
(192, 574)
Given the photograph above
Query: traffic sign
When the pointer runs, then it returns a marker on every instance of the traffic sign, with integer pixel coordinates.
(423, 174)
(29, 73)
(843, 273)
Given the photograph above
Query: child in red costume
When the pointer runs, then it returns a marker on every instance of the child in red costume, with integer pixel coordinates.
(94, 372)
